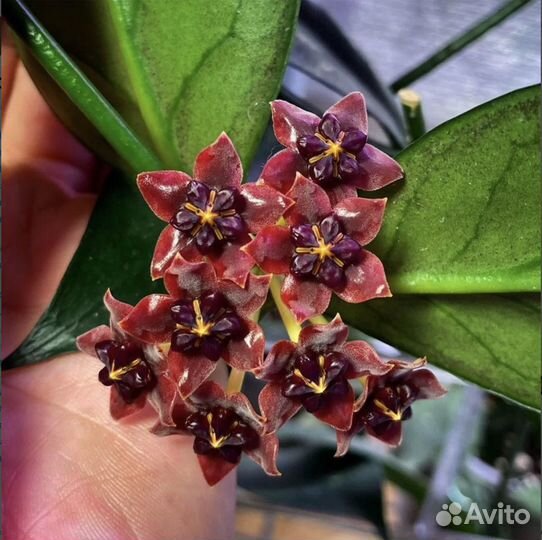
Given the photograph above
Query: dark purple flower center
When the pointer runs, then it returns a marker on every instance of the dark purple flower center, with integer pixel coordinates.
(323, 252)
(211, 217)
(222, 433)
(125, 367)
(331, 153)
(389, 404)
(205, 325)
(315, 377)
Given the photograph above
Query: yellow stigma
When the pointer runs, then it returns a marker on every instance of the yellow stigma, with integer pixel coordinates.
(202, 328)
(321, 386)
(208, 216)
(117, 374)
(323, 250)
(395, 416)
(215, 442)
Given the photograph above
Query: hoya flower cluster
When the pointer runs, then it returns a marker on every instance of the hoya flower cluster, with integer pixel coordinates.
(224, 242)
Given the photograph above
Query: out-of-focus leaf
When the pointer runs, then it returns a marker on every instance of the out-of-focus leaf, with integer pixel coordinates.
(460, 235)
(178, 72)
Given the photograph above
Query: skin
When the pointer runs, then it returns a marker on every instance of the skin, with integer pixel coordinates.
(69, 470)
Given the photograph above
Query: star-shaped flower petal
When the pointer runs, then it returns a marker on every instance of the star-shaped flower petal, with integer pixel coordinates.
(202, 319)
(386, 402)
(321, 250)
(223, 426)
(210, 214)
(135, 370)
(314, 374)
(332, 150)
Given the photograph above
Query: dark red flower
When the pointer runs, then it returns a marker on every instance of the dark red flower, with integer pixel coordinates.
(386, 402)
(201, 320)
(322, 250)
(210, 214)
(331, 151)
(132, 368)
(223, 426)
(314, 374)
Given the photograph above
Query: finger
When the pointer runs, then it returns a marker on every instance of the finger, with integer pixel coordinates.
(9, 66)
(70, 471)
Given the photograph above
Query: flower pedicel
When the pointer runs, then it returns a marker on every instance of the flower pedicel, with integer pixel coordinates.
(302, 220)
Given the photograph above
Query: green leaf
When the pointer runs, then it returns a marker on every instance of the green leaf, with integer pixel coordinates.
(179, 73)
(460, 236)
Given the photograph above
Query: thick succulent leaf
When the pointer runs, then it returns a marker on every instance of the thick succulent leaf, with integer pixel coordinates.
(461, 248)
(179, 73)
(466, 219)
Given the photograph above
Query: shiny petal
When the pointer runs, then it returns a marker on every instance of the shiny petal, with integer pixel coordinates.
(219, 164)
(117, 309)
(87, 341)
(264, 206)
(189, 371)
(291, 122)
(250, 299)
(345, 437)
(365, 280)
(337, 412)
(246, 354)
(118, 408)
(163, 396)
(180, 411)
(376, 170)
(271, 249)
(266, 454)
(361, 218)
(242, 406)
(276, 408)
(164, 191)
(150, 320)
(324, 336)
(311, 202)
(341, 191)
(169, 243)
(351, 112)
(233, 264)
(276, 361)
(281, 169)
(427, 384)
(185, 278)
(214, 468)
(305, 299)
(363, 360)
(390, 433)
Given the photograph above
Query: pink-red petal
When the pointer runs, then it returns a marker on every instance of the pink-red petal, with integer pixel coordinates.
(276, 361)
(377, 169)
(219, 164)
(271, 249)
(390, 433)
(324, 336)
(185, 278)
(189, 371)
(150, 320)
(338, 412)
(363, 360)
(118, 408)
(117, 309)
(233, 264)
(249, 299)
(246, 354)
(164, 191)
(169, 243)
(428, 384)
(264, 206)
(351, 112)
(361, 218)
(305, 299)
(365, 280)
(291, 122)
(341, 191)
(276, 408)
(214, 469)
(87, 341)
(266, 454)
(280, 170)
(311, 202)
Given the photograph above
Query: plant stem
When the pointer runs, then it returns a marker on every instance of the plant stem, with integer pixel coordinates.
(79, 89)
(290, 324)
(412, 111)
(460, 42)
(319, 319)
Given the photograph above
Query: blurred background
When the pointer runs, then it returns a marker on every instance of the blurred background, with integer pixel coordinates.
(470, 446)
